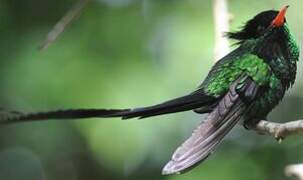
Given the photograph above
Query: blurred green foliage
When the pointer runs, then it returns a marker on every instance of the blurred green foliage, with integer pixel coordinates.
(125, 53)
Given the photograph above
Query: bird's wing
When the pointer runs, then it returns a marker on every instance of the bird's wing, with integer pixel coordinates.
(220, 121)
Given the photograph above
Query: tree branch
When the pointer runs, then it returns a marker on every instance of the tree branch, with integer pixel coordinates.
(280, 130)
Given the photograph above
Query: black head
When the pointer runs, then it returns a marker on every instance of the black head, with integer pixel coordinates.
(258, 25)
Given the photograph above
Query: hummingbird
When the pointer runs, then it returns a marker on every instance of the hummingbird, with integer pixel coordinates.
(245, 85)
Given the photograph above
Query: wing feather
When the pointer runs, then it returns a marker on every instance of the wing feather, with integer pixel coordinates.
(209, 134)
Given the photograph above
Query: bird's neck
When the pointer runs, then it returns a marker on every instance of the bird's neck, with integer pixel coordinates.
(281, 52)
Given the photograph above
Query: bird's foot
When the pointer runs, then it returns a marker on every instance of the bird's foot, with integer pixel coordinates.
(251, 123)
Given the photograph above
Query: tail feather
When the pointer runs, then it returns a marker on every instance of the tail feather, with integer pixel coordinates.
(208, 135)
(205, 139)
(15, 116)
(185, 103)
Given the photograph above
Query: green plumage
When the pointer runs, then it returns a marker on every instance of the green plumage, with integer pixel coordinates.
(220, 79)
(245, 60)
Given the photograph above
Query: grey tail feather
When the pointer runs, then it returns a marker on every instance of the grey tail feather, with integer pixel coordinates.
(208, 135)
(180, 163)
(184, 103)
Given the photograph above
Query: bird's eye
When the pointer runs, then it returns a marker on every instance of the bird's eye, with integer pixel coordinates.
(260, 30)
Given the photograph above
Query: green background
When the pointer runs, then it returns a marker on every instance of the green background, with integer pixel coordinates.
(119, 54)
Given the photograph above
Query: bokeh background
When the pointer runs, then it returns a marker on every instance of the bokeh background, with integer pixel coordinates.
(119, 54)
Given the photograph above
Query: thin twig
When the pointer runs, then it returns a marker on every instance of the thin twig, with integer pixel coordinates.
(71, 14)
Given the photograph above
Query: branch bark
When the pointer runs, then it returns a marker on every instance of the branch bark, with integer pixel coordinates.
(280, 130)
